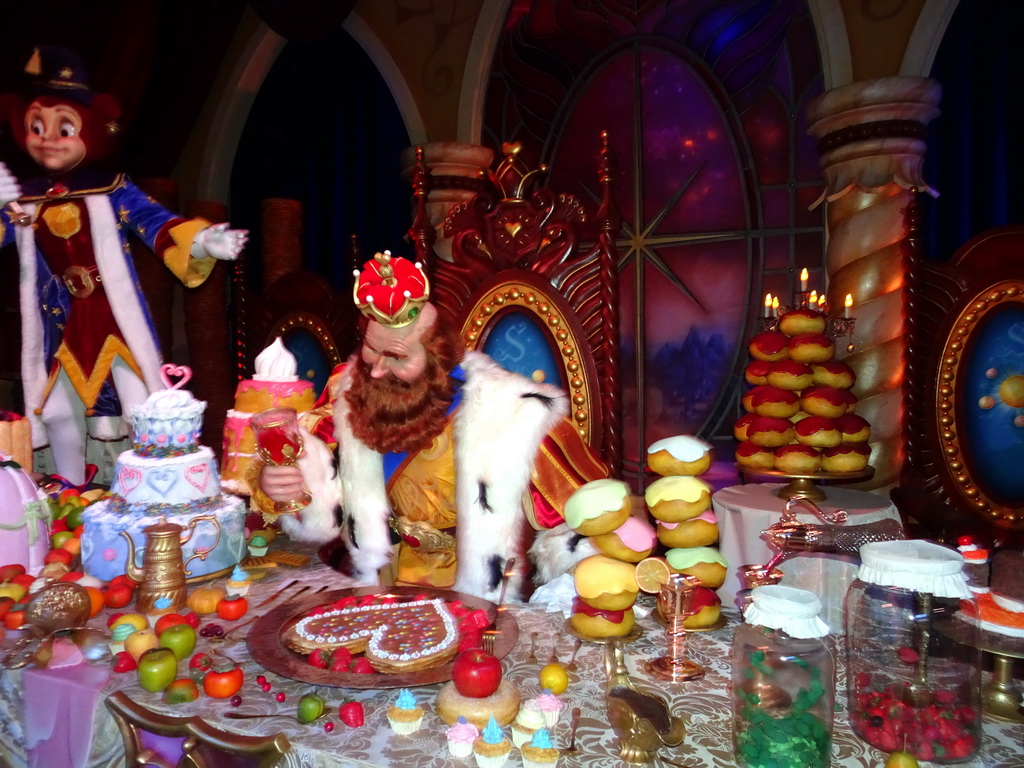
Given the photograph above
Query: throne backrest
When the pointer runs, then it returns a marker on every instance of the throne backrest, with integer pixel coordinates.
(523, 287)
(964, 405)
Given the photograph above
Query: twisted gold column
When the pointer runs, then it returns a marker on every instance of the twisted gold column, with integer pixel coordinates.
(872, 141)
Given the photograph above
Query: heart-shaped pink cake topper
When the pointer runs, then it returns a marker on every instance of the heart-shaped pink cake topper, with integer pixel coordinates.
(169, 369)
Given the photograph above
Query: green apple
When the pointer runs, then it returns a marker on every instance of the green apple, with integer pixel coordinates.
(181, 691)
(158, 668)
(311, 706)
(901, 760)
(60, 537)
(74, 517)
(180, 638)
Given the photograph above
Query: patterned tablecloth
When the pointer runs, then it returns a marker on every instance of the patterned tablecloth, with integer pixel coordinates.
(704, 704)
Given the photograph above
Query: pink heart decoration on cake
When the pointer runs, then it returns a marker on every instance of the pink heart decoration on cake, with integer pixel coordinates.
(198, 475)
(167, 370)
(128, 477)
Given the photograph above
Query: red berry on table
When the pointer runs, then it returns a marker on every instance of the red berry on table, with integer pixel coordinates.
(236, 701)
(280, 696)
(266, 687)
(351, 714)
(328, 726)
(261, 679)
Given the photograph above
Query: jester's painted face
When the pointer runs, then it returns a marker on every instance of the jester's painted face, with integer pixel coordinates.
(54, 136)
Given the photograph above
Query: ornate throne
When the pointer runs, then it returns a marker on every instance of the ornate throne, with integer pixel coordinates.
(524, 287)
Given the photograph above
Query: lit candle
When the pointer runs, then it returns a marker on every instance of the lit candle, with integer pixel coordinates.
(803, 279)
(775, 306)
(847, 304)
(821, 302)
(814, 298)
(767, 305)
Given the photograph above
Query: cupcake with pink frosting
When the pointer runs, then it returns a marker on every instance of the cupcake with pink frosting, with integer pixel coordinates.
(631, 542)
(461, 737)
(550, 706)
(701, 531)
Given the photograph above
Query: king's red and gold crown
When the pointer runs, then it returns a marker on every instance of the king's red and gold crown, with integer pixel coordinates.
(391, 290)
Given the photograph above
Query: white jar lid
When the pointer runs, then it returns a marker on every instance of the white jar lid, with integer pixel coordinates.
(794, 611)
(917, 565)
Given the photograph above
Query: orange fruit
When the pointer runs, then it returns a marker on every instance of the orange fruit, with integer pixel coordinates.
(652, 573)
(96, 598)
(72, 545)
(554, 678)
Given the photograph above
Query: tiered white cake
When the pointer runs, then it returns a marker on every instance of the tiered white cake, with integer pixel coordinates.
(166, 475)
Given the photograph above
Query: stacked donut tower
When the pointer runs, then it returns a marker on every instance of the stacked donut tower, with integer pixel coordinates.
(800, 411)
(680, 502)
(607, 584)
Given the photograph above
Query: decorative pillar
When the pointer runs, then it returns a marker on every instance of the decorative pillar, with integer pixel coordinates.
(872, 142)
(281, 229)
(455, 177)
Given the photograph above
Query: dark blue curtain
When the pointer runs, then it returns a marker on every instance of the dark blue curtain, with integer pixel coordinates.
(325, 130)
(975, 149)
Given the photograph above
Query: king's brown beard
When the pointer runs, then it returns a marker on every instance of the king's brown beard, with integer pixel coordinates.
(389, 414)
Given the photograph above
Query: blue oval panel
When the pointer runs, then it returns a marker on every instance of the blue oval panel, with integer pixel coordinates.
(312, 362)
(992, 443)
(519, 343)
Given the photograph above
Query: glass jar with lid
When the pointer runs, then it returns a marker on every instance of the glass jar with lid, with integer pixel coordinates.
(783, 681)
(913, 665)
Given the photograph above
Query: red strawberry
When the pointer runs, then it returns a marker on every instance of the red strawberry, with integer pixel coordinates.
(361, 665)
(341, 654)
(351, 714)
(123, 662)
(319, 659)
(474, 620)
(192, 618)
(201, 661)
(367, 600)
(470, 640)
(346, 602)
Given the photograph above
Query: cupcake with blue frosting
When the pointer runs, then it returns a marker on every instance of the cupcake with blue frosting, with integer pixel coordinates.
(239, 582)
(405, 715)
(540, 752)
(491, 748)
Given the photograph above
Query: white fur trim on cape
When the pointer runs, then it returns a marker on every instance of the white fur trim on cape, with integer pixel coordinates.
(125, 302)
(499, 425)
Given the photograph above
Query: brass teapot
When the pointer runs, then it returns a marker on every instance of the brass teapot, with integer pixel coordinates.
(642, 721)
(162, 575)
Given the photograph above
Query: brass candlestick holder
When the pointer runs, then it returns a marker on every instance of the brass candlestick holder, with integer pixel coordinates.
(675, 599)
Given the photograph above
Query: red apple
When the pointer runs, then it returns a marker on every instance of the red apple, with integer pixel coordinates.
(168, 620)
(8, 572)
(476, 673)
(24, 579)
(58, 556)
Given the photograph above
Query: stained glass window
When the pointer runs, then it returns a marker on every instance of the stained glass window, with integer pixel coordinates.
(704, 101)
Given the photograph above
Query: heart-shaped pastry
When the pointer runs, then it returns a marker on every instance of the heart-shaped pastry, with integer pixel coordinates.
(397, 637)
